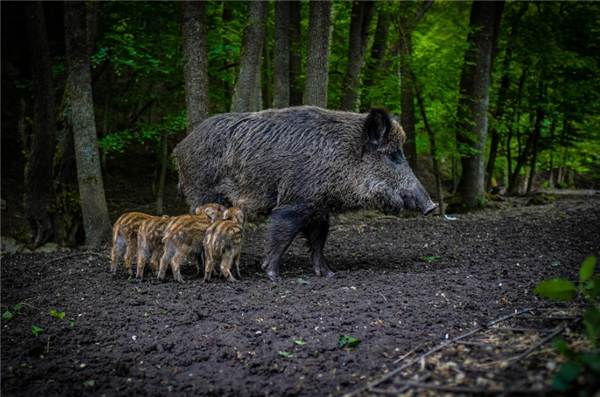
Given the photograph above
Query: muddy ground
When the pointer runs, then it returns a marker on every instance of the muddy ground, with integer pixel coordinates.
(402, 286)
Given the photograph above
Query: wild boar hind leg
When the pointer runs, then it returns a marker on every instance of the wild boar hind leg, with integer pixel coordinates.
(316, 232)
(286, 223)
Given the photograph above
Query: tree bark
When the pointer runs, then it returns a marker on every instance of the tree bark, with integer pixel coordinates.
(164, 154)
(408, 23)
(317, 62)
(281, 89)
(296, 91)
(502, 97)
(246, 92)
(39, 196)
(362, 13)
(375, 65)
(91, 190)
(195, 62)
(436, 167)
(267, 101)
(474, 101)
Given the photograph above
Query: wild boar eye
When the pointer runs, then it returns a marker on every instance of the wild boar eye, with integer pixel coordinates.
(393, 157)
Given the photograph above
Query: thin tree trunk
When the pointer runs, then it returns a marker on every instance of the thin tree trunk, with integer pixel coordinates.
(474, 100)
(317, 63)
(93, 203)
(160, 191)
(408, 22)
(362, 13)
(534, 152)
(436, 166)
(295, 50)
(195, 62)
(281, 51)
(246, 92)
(267, 102)
(39, 196)
(502, 97)
(407, 97)
(513, 182)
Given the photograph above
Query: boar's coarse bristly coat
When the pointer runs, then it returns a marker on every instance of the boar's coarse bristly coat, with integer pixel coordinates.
(299, 165)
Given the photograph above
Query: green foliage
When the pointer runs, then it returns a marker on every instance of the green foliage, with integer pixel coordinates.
(56, 314)
(348, 343)
(581, 370)
(285, 354)
(430, 258)
(35, 330)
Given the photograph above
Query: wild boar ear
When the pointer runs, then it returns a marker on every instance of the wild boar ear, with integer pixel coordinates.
(376, 130)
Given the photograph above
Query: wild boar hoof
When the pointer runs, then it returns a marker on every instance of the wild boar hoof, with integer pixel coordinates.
(272, 275)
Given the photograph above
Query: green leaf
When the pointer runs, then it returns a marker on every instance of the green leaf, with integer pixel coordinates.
(90, 383)
(564, 349)
(567, 374)
(300, 342)
(56, 314)
(592, 360)
(592, 289)
(556, 288)
(301, 281)
(587, 268)
(285, 354)
(349, 343)
(7, 315)
(35, 330)
(591, 320)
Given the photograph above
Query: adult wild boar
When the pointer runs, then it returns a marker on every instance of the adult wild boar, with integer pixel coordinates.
(299, 165)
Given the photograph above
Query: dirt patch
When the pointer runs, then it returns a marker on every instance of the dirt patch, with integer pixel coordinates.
(401, 285)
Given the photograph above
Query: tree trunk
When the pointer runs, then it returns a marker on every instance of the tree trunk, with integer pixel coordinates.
(195, 62)
(267, 102)
(537, 132)
(39, 196)
(91, 190)
(407, 97)
(246, 92)
(295, 47)
(164, 155)
(474, 100)
(513, 181)
(407, 117)
(502, 96)
(375, 69)
(281, 89)
(362, 13)
(317, 54)
(436, 166)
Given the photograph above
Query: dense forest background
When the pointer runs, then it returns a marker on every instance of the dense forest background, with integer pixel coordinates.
(499, 97)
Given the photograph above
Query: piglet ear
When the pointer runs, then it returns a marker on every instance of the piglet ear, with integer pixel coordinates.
(376, 130)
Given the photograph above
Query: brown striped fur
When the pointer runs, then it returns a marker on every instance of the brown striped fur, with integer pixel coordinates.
(149, 243)
(125, 232)
(223, 242)
(184, 235)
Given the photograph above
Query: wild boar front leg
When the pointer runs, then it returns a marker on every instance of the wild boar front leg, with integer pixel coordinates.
(316, 232)
(286, 222)
(166, 259)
